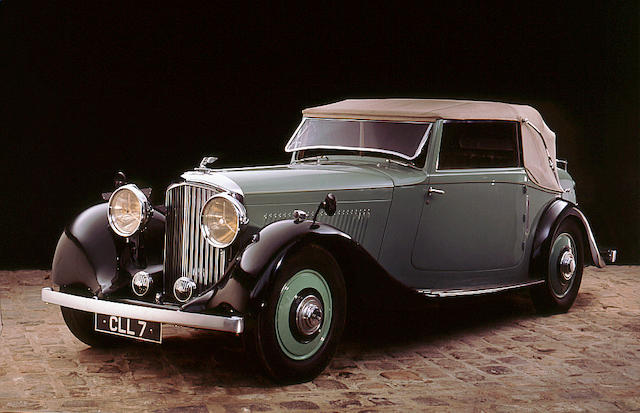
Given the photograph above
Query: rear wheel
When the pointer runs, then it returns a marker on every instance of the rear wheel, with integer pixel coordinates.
(297, 332)
(565, 262)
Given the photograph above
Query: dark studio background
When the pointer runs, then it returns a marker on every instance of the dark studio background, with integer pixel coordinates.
(97, 87)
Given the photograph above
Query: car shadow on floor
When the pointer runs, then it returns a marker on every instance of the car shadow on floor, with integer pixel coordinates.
(440, 317)
(203, 359)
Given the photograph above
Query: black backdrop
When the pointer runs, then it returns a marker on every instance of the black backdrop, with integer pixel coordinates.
(98, 87)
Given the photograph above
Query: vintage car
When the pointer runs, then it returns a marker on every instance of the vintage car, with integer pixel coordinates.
(439, 198)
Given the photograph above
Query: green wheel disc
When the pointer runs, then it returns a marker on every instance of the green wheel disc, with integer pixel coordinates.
(293, 347)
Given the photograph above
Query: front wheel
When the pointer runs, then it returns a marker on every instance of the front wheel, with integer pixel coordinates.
(297, 331)
(81, 325)
(565, 262)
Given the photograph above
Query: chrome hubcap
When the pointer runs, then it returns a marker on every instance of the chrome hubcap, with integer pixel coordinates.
(567, 265)
(563, 265)
(309, 315)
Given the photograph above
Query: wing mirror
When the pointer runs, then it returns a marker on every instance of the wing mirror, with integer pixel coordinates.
(329, 206)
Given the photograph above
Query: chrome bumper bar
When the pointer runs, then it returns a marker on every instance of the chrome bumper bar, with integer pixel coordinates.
(231, 324)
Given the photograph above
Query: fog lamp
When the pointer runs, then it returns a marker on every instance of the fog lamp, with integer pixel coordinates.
(183, 289)
(141, 283)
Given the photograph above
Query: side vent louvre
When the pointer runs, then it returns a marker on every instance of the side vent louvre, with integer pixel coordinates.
(350, 221)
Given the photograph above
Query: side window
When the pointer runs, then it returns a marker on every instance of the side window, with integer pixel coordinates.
(480, 144)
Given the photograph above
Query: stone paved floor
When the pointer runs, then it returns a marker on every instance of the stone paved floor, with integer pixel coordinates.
(484, 354)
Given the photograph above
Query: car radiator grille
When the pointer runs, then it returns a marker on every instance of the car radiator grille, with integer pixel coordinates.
(187, 253)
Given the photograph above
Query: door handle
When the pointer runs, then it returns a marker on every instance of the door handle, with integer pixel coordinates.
(433, 190)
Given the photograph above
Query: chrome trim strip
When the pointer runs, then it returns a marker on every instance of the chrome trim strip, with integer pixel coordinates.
(459, 293)
(216, 179)
(484, 171)
(232, 324)
(337, 187)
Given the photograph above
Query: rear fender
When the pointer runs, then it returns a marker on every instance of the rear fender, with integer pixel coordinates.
(551, 219)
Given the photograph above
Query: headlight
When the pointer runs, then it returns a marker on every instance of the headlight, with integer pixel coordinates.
(220, 220)
(129, 210)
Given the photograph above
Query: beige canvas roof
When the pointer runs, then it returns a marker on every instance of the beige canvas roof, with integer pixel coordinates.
(538, 141)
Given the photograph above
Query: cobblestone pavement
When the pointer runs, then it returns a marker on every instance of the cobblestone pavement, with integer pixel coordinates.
(484, 354)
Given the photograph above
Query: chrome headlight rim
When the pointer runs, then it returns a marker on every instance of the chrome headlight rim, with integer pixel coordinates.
(145, 210)
(241, 219)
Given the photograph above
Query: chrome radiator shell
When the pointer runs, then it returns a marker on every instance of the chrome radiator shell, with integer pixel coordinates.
(186, 253)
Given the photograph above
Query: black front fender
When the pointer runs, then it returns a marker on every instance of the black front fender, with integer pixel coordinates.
(89, 254)
(253, 271)
(86, 252)
(262, 257)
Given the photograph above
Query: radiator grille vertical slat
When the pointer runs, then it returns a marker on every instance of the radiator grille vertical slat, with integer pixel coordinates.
(203, 245)
(185, 231)
(217, 261)
(207, 264)
(220, 268)
(190, 245)
(195, 236)
(186, 251)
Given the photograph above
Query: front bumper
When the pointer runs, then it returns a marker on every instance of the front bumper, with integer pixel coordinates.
(231, 324)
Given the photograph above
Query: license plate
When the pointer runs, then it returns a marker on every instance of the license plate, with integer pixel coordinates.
(129, 327)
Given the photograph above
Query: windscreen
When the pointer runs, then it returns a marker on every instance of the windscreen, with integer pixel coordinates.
(403, 139)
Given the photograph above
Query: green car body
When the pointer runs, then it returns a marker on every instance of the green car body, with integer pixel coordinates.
(276, 253)
(477, 236)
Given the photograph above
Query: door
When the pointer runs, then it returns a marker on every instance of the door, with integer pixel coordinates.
(473, 214)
